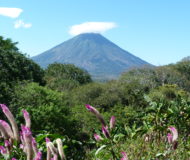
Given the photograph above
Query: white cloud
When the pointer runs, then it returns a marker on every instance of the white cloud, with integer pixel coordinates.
(91, 27)
(10, 12)
(22, 24)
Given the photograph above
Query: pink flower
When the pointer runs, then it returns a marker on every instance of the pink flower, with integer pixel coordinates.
(105, 132)
(112, 122)
(11, 119)
(3, 150)
(174, 132)
(96, 113)
(34, 146)
(27, 118)
(27, 137)
(124, 154)
(26, 131)
(97, 137)
(3, 132)
(7, 143)
(54, 157)
(7, 128)
(170, 138)
(13, 159)
(21, 146)
(47, 140)
(38, 156)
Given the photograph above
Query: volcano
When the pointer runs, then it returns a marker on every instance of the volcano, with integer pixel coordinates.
(91, 51)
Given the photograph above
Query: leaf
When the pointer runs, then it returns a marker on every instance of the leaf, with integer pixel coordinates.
(160, 155)
(76, 142)
(99, 149)
(117, 137)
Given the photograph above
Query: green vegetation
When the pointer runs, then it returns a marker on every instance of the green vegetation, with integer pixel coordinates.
(15, 67)
(148, 105)
(63, 77)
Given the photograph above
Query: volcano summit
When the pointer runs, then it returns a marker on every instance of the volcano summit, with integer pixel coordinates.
(100, 57)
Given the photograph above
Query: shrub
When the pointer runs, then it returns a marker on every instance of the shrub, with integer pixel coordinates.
(47, 107)
(65, 76)
(15, 67)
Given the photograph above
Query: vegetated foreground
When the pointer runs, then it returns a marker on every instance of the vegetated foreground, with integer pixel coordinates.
(109, 142)
(145, 114)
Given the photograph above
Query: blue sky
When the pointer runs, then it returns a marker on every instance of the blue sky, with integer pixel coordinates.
(157, 31)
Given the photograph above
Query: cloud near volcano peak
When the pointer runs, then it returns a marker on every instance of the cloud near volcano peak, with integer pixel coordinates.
(91, 27)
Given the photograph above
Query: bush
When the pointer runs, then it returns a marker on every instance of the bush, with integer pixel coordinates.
(151, 78)
(65, 76)
(15, 67)
(47, 107)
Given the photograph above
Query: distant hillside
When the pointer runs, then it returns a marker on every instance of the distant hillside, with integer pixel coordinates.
(94, 53)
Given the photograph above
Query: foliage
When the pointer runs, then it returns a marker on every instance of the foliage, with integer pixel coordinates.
(144, 101)
(48, 109)
(15, 67)
(149, 145)
(109, 94)
(65, 76)
(183, 67)
(168, 105)
(153, 77)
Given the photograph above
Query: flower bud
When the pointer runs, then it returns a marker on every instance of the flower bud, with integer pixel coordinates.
(97, 137)
(96, 113)
(27, 118)
(124, 154)
(105, 132)
(112, 122)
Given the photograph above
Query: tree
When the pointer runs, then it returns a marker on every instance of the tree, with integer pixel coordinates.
(158, 76)
(15, 67)
(183, 67)
(49, 110)
(65, 76)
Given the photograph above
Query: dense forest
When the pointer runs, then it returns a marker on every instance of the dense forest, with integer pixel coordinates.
(143, 115)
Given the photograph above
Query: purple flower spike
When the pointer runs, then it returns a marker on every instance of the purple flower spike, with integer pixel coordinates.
(112, 122)
(21, 146)
(7, 143)
(47, 140)
(174, 132)
(89, 107)
(173, 137)
(96, 113)
(4, 108)
(54, 157)
(7, 128)
(3, 150)
(170, 138)
(38, 156)
(124, 154)
(105, 132)
(26, 132)
(34, 146)
(97, 137)
(27, 118)
(3, 132)
(11, 119)
(27, 137)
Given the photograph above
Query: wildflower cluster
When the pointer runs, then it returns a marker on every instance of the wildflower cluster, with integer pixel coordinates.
(106, 132)
(12, 137)
(108, 138)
